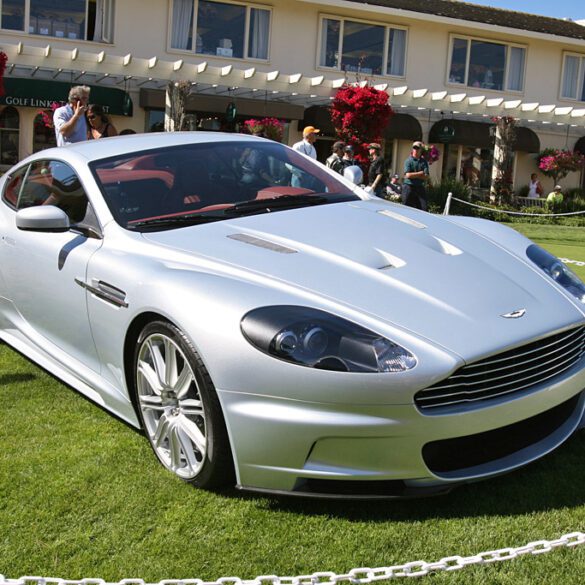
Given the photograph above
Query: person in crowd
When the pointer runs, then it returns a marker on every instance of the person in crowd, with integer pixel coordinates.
(377, 170)
(69, 120)
(394, 188)
(555, 197)
(534, 187)
(306, 147)
(99, 123)
(348, 159)
(306, 144)
(416, 172)
(335, 161)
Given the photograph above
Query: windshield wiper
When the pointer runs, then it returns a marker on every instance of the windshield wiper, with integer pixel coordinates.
(282, 202)
(183, 220)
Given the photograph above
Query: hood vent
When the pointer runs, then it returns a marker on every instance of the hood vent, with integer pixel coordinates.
(403, 219)
(260, 243)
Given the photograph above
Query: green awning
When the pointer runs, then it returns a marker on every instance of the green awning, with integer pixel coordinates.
(40, 93)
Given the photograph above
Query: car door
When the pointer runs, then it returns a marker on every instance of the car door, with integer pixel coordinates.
(42, 270)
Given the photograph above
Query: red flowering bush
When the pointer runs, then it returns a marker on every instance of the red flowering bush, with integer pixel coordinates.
(431, 154)
(359, 115)
(557, 164)
(3, 61)
(267, 127)
(47, 115)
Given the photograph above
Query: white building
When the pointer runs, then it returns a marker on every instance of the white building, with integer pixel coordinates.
(448, 67)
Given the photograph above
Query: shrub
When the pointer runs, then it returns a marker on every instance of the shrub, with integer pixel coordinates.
(437, 195)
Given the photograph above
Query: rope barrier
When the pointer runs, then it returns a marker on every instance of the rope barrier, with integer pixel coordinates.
(450, 198)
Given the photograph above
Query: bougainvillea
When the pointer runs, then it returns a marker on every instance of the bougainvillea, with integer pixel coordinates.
(47, 115)
(557, 164)
(3, 60)
(360, 114)
(431, 153)
(267, 127)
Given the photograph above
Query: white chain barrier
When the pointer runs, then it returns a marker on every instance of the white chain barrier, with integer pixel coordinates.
(450, 198)
(354, 577)
(575, 262)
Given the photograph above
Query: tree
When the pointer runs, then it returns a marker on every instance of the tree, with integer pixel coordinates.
(502, 180)
(359, 114)
(175, 102)
(557, 164)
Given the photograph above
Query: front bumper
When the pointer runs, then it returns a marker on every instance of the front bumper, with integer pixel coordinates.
(341, 450)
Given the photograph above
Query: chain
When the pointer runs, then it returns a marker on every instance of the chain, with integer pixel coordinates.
(575, 262)
(354, 577)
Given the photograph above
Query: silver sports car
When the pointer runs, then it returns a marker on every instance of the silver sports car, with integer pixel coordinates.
(271, 325)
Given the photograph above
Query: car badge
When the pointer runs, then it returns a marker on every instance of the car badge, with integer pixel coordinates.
(515, 314)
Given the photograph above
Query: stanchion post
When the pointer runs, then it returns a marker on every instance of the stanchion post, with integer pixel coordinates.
(448, 204)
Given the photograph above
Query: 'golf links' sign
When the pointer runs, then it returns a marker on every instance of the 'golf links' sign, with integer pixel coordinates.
(37, 93)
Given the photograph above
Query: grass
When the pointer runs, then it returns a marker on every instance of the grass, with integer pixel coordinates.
(81, 495)
(564, 242)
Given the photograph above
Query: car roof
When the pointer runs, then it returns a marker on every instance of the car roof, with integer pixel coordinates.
(119, 145)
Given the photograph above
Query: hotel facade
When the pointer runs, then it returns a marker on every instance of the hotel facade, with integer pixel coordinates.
(448, 67)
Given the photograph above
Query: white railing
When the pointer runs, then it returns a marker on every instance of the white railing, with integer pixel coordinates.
(450, 199)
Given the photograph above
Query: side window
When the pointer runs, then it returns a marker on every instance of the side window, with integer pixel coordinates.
(13, 186)
(54, 183)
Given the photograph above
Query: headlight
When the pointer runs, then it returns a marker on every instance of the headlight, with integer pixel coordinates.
(316, 339)
(557, 271)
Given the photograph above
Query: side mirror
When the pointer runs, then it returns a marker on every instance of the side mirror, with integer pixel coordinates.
(354, 174)
(42, 218)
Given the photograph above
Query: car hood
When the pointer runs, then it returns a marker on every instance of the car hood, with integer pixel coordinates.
(416, 271)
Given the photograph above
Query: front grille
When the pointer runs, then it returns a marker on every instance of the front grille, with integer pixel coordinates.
(506, 373)
(451, 455)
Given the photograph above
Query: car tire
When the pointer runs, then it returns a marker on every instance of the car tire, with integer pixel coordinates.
(179, 408)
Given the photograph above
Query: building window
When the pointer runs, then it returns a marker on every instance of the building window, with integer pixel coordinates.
(371, 49)
(9, 133)
(219, 28)
(573, 86)
(487, 65)
(13, 14)
(90, 20)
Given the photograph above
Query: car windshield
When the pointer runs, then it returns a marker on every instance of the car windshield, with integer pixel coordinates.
(192, 184)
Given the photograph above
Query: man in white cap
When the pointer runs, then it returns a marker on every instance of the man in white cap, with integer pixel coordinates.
(416, 172)
(306, 147)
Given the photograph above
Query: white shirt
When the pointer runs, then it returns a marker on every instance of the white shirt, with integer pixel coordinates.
(532, 190)
(63, 115)
(305, 147)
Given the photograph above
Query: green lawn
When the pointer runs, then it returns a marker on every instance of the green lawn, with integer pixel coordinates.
(81, 495)
(564, 242)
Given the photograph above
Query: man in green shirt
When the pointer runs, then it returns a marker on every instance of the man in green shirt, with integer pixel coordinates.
(416, 172)
(555, 197)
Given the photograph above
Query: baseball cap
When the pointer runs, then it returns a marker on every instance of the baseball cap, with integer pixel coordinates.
(348, 148)
(558, 188)
(395, 176)
(310, 130)
(418, 145)
(374, 145)
(338, 145)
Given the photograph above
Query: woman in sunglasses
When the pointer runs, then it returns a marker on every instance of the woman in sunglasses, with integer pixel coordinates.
(99, 123)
